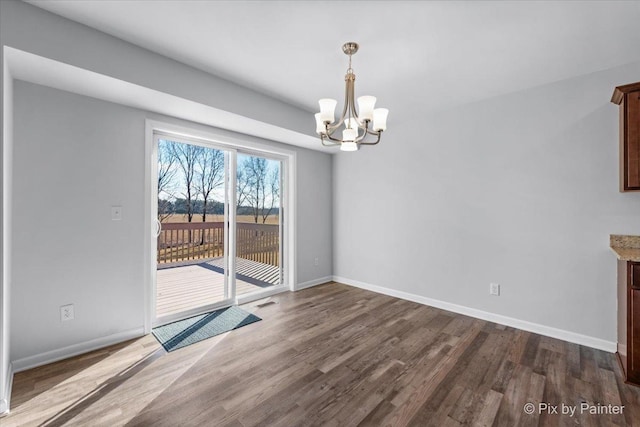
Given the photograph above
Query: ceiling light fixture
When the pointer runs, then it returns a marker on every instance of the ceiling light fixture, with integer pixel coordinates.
(356, 127)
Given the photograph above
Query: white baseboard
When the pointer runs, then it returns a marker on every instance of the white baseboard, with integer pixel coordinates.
(5, 402)
(537, 328)
(75, 349)
(313, 282)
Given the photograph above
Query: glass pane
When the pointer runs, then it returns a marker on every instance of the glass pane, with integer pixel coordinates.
(257, 223)
(191, 243)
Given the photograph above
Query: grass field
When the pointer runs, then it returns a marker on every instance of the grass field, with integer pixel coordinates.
(273, 219)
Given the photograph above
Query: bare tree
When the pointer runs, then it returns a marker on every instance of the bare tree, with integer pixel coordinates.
(209, 175)
(258, 187)
(186, 157)
(166, 176)
(274, 197)
(242, 187)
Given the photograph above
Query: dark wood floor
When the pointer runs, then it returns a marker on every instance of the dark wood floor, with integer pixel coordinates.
(336, 356)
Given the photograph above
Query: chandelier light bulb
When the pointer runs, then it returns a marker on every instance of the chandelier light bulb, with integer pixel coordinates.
(366, 104)
(327, 109)
(349, 135)
(349, 146)
(380, 119)
(319, 124)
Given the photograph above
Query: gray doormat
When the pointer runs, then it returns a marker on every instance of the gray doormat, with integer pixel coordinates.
(197, 328)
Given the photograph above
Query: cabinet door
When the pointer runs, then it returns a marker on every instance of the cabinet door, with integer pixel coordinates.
(633, 331)
(631, 142)
(634, 274)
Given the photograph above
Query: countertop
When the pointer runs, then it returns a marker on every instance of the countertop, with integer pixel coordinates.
(626, 248)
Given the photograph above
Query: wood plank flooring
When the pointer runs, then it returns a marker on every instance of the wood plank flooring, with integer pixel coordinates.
(331, 355)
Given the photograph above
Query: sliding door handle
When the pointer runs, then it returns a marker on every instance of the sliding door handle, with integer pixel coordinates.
(158, 227)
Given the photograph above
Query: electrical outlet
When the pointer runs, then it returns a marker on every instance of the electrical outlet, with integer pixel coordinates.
(494, 289)
(116, 213)
(316, 262)
(66, 313)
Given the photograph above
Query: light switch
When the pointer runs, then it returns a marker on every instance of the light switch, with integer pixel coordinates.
(66, 313)
(116, 213)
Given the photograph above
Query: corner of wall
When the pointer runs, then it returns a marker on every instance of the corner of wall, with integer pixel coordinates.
(334, 237)
(6, 142)
(315, 282)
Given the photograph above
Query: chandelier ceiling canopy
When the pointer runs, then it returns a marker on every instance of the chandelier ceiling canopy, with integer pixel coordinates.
(361, 127)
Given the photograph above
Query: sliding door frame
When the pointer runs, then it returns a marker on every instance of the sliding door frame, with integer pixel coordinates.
(232, 143)
(284, 201)
(229, 226)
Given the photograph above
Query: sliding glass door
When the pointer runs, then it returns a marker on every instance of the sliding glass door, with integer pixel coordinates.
(192, 227)
(258, 227)
(219, 226)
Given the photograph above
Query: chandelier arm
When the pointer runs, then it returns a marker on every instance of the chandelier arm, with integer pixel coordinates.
(332, 128)
(330, 144)
(344, 109)
(368, 131)
(352, 107)
(373, 132)
(328, 135)
(346, 99)
(352, 101)
(373, 143)
(365, 127)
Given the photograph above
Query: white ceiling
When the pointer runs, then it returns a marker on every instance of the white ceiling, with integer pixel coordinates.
(416, 57)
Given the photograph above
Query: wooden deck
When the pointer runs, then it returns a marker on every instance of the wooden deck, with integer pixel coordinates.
(192, 286)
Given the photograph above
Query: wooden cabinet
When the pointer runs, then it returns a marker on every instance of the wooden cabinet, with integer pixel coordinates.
(629, 319)
(628, 98)
(633, 340)
(634, 274)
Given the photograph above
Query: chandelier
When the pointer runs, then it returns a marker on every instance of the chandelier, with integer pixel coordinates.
(359, 129)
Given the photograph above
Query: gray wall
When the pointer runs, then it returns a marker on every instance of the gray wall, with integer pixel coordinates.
(520, 190)
(116, 160)
(74, 158)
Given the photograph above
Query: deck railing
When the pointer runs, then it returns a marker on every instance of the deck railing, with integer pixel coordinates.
(184, 242)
